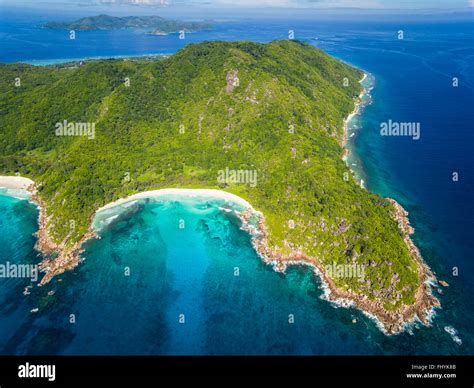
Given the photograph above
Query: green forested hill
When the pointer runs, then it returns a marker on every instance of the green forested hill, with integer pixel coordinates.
(179, 122)
(106, 22)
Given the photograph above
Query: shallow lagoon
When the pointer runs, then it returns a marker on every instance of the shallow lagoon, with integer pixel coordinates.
(162, 280)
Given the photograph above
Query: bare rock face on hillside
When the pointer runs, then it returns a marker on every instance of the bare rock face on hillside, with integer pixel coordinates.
(232, 81)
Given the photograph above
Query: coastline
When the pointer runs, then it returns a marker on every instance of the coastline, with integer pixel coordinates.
(15, 182)
(355, 112)
(56, 259)
(350, 155)
(69, 258)
(389, 322)
(176, 193)
(425, 301)
(62, 61)
(59, 258)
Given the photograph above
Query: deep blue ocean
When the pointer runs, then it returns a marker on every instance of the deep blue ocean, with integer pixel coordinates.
(189, 273)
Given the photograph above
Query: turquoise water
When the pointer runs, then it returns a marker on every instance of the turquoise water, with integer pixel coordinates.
(190, 271)
(57, 61)
(160, 259)
(18, 222)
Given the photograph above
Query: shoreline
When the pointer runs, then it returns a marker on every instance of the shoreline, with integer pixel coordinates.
(65, 259)
(58, 259)
(425, 301)
(15, 182)
(69, 258)
(355, 112)
(358, 104)
(176, 193)
(390, 322)
(348, 147)
(63, 61)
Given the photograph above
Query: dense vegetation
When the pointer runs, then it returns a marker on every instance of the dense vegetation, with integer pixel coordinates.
(184, 118)
(106, 22)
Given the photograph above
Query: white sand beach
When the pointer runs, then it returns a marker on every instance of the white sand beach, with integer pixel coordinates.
(15, 182)
(177, 193)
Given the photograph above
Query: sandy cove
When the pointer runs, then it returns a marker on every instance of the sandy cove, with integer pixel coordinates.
(391, 322)
(69, 258)
(60, 258)
(16, 182)
(174, 192)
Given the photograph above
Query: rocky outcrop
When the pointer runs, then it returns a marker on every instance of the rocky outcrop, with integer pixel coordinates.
(392, 321)
(58, 257)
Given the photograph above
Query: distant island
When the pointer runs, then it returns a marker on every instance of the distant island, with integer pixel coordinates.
(156, 24)
(214, 111)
